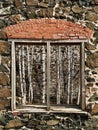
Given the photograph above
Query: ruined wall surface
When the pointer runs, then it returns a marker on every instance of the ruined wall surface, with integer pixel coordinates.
(82, 12)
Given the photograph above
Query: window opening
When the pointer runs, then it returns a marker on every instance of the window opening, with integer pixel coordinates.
(47, 75)
(65, 75)
(30, 74)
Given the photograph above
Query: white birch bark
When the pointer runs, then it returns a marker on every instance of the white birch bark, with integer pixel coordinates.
(32, 55)
(20, 71)
(58, 74)
(0, 59)
(29, 74)
(78, 98)
(68, 91)
(23, 72)
(43, 74)
(72, 79)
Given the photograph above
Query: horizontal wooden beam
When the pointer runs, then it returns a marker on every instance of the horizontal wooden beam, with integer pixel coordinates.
(45, 41)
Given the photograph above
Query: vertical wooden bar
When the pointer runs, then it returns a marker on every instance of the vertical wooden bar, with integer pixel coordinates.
(13, 76)
(48, 75)
(82, 65)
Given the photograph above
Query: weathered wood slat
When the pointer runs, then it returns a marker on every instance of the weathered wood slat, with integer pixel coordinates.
(82, 63)
(13, 76)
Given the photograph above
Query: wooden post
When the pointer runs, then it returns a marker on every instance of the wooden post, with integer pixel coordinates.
(13, 76)
(48, 75)
(82, 65)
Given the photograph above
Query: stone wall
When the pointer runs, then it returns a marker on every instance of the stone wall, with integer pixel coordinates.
(81, 12)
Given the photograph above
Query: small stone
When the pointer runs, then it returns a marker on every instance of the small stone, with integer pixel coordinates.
(43, 122)
(52, 122)
(4, 80)
(5, 61)
(4, 47)
(33, 123)
(2, 119)
(16, 18)
(96, 34)
(2, 23)
(3, 68)
(43, 5)
(5, 102)
(18, 4)
(1, 127)
(92, 60)
(76, 9)
(32, 2)
(91, 16)
(95, 109)
(31, 13)
(90, 47)
(66, 10)
(45, 13)
(15, 123)
(94, 97)
(96, 9)
(5, 92)
(2, 36)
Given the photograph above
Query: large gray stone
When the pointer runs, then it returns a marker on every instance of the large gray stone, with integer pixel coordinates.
(4, 79)
(96, 9)
(14, 124)
(18, 4)
(32, 2)
(92, 60)
(52, 122)
(76, 9)
(90, 47)
(91, 16)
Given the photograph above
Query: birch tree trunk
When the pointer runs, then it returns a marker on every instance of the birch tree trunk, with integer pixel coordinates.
(0, 59)
(79, 87)
(72, 79)
(43, 74)
(20, 70)
(32, 56)
(23, 71)
(29, 74)
(68, 92)
(78, 98)
(58, 74)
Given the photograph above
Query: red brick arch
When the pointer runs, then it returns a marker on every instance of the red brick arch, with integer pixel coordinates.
(48, 29)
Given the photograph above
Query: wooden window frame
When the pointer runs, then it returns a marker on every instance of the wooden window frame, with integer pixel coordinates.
(68, 42)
